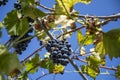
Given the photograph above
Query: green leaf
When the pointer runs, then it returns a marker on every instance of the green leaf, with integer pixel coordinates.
(36, 59)
(3, 49)
(14, 25)
(99, 48)
(58, 69)
(32, 12)
(79, 36)
(87, 40)
(68, 5)
(1, 25)
(46, 63)
(8, 63)
(31, 2)
(111, 42)
(92, 72)
(92, 67)
(30, 65)
(95, 60)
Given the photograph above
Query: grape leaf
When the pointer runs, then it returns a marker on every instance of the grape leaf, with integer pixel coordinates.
(28, 1)
(14, 25)
(58, 69)
(111, 42)
(79, 36)
(95, 60)
(36, 59)
(92, 72)
(92, 67)
(30, 65)
(85, 40)
(3, 49)
(53, 68)
(8, 63)
(99, 48)
(1, 25)
(46, 63)
(68, 5)
(32, 12)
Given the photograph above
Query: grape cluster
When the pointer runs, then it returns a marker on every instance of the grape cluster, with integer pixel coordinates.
(22, 45)
(17, 6)
(60, 51)
(3, 2)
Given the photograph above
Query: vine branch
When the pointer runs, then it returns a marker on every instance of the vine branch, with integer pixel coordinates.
(45, 7)
(115, 16)
(77, 69)
(33, 53)
(43, 76)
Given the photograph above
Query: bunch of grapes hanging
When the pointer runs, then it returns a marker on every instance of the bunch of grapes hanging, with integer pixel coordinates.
(59, 51)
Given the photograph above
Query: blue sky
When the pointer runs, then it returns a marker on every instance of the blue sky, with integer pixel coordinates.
(97, 7)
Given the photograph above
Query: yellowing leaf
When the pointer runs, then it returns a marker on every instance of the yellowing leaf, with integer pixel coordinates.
(92, 72)
(87, 40)
(68, 5)
(79, 36)
(99, 48)
(83, 1)
(1, 25)
(58, 69)
(30, 67)
(111, 42)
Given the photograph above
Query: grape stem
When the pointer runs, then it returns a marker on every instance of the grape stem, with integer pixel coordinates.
(42, 76)
(115, 16)
(45, 7)
(77, 69)
(33, 53)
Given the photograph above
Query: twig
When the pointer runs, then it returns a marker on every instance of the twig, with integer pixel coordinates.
(77, 69)
(33, 53)
(42, 24)
(79, 59)
(45, 7)
(105, 67)
(73, 30)
(42, 76)
(115, 16)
